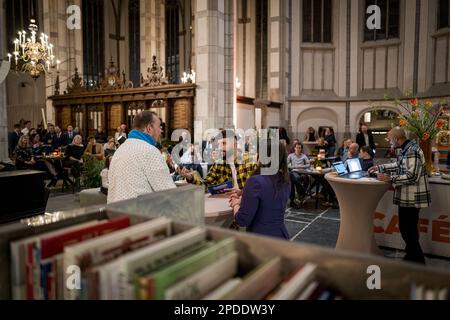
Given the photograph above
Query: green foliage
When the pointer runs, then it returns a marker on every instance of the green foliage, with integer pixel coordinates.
(91, 172)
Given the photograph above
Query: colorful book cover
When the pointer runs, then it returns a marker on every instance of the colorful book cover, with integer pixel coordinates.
(223, 290)
(20, 260)
(258, 283)
(55, 245)
(108, 247)
(296, 283)
(205, 280)
(169, 275)
(220, 188)
(120, 273)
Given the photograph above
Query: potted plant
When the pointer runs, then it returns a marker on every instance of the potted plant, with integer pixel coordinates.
(91, 172)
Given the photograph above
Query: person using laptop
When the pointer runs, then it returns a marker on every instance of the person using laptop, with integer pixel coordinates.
(366, 158)
(409, 178)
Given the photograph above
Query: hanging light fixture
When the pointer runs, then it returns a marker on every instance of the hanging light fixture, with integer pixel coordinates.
(32, 56)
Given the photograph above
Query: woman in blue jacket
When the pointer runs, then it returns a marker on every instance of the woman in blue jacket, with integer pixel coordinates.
(264, 199)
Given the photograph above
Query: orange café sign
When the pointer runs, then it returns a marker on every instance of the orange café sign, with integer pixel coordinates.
(434, 223)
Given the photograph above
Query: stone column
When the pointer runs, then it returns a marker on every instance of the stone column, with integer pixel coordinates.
(279, 55)
(3, 106)
(152, 33)
(68, 47)
(214, 57)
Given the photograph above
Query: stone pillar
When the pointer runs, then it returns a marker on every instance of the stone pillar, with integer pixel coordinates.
(3, 106)
(279, 55)
(152, 33)
(68, 47)
(215, 65)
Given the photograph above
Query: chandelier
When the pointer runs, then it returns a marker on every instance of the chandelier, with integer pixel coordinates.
(188, 77)
(36, 58)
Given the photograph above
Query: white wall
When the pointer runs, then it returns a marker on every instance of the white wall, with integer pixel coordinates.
(245, 116)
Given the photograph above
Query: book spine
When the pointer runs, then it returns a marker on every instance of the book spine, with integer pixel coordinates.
(29, 271)
(55, 245)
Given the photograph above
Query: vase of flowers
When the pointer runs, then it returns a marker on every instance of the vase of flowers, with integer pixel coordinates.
(422, 119)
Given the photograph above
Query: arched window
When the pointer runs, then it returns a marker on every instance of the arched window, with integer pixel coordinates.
(18, 15)
(135, 48)
(390, 20)
(172, 40)
(262, 41)
(93, 41)
(443, 14)
(317, 21)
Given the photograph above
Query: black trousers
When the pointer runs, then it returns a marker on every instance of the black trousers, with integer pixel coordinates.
(408, 225)
(299, 183)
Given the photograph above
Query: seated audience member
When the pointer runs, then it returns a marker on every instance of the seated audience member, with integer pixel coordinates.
(298, 161)
(36, 145)
(292, 149)
(59, 139)
(50, 135)
(100, 136)
(110, 147)
(13, 138)
(120, 136)
(191, 160)
(104, 175)
(74, 156)
(70, 134)
(94, 149)
(310, 135)
(353, 151)
(228, 168)
(24, 154)
(321, 145)
(262, 206)
(448, 160)
(343, 150)
(25, 159)
(366, 157)
(26, 130)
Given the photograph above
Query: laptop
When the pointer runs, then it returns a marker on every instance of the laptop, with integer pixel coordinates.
(355, 170)
(354, 166)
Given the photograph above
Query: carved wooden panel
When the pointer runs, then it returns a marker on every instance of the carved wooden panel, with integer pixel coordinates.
(115, 117)
(65, 117)
(182, 114)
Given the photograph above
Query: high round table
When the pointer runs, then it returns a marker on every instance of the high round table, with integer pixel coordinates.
(358, 199)
(217, 211)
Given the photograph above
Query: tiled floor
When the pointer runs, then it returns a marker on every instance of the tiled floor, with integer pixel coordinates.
(319, 227)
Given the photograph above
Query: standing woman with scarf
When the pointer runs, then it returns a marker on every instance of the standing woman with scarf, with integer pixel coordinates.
(138, 167)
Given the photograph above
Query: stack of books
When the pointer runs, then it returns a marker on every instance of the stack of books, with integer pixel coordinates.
(112, 259)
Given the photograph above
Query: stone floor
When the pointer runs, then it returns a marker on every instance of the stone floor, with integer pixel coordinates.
(308, 225)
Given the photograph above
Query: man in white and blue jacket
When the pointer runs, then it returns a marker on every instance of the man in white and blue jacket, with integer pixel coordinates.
(412, 192)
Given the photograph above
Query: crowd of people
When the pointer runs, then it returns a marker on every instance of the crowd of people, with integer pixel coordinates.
(136, 164)
(32, 148)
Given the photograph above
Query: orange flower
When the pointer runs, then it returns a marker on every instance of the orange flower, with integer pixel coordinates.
(425, 136)
(440, 124)
(414, 102)
(428, 104)
(403, 122)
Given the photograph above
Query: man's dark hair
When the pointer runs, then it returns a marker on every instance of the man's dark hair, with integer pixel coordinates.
(298, 144)
(27, 122)
(226, 134)
(368, 150)
(143, 119)
(91, 137)
(17, 126)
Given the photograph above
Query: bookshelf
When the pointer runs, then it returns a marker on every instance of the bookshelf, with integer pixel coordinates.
(342, 271)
